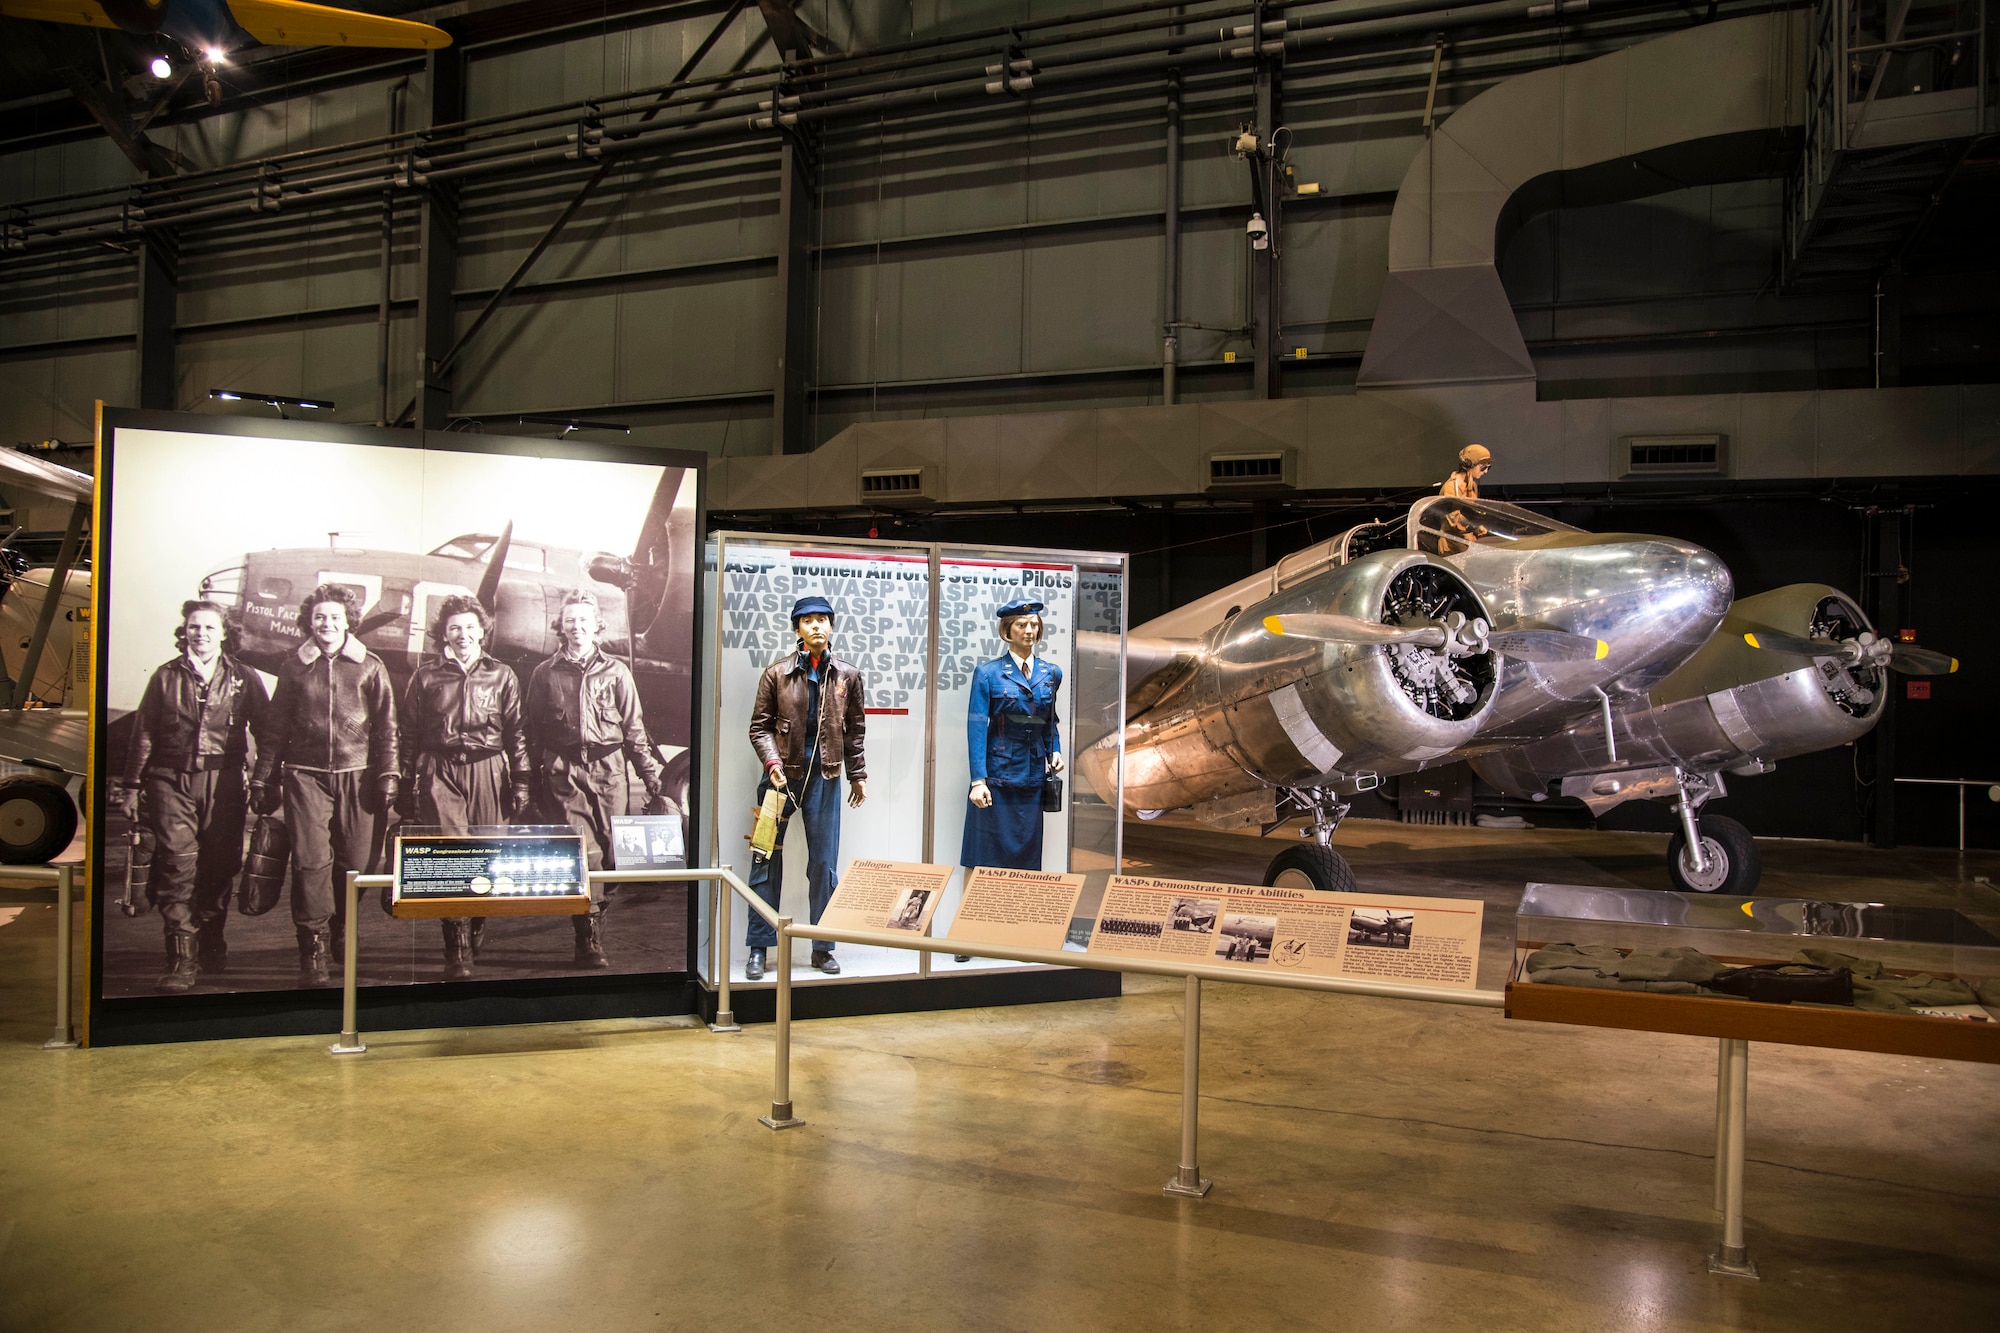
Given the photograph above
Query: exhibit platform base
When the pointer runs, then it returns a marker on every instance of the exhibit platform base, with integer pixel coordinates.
(482, 1003)
(907, 995)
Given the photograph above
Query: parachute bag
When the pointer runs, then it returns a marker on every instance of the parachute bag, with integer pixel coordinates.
(264, 868)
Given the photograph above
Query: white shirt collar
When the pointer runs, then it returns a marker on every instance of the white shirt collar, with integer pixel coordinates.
(351, 648)
(205, 672)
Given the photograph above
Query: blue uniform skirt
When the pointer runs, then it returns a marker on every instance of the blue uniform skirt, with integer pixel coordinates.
(1008, 833)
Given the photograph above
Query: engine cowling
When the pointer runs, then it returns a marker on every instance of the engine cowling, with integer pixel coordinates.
(1731, 706)
(1257, 709)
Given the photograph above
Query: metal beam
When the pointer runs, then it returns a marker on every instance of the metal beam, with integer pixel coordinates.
(791, 424)
(437, 251)
(158, 302)
(1266, 305)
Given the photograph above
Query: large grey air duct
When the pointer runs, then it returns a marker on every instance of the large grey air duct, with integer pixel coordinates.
(1708, 104)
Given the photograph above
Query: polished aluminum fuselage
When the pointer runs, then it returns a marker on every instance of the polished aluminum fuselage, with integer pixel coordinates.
(1252, 710)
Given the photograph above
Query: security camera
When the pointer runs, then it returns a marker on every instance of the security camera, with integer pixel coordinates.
(1245, 143)
(1258, 232)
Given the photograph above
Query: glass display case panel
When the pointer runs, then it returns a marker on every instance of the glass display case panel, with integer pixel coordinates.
(881, 596)
(1891, 946)
(1082, 596)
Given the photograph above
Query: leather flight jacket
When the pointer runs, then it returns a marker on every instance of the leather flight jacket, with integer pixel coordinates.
(330, 714)
(778, 718)
(188, 725)
(589, 710)
(465, 715)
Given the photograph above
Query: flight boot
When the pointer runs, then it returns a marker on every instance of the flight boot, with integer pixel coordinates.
(753, 967)
(457, 950)
(183, 969)
(590, 941)
(211, 950)
(315, 956)
(478, 935)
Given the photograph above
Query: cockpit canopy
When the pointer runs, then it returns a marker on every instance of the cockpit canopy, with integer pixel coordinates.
(1446, 524)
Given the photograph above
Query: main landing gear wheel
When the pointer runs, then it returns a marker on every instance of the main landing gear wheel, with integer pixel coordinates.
(37, 820)
(1310, 866)
(1733, 865)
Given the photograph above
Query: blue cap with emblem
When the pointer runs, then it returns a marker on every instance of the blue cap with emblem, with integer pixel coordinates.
(1020, 606)
(811, 605)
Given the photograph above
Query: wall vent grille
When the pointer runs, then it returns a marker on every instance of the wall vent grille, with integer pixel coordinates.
(1675, 455)
(891, 484)
(1265, 468)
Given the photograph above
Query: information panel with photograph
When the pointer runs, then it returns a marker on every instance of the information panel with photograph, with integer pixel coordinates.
(311, 635)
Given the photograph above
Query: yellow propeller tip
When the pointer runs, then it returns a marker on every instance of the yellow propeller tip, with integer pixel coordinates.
(1274, 624)
(1603, 650)
(1954, 666)
(1747, 911)
(1751, 639)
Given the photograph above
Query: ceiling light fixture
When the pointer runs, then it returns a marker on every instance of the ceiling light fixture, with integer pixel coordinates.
(277, 400)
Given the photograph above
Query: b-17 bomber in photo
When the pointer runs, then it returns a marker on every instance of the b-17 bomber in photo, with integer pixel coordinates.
(1604, 666)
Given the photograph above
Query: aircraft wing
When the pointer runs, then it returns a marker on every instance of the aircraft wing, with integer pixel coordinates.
(45, 736)
(84, 12)
(295, 23)
(35, 474)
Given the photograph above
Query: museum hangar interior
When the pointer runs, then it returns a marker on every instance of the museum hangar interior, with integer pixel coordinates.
(1344, 606)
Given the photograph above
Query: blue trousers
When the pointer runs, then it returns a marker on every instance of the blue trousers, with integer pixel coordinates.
(819, 802)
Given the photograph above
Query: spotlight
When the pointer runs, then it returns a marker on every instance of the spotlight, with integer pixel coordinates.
(162, 67)
(214, 56)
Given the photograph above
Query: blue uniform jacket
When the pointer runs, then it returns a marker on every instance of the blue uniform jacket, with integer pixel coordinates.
(1010, 722)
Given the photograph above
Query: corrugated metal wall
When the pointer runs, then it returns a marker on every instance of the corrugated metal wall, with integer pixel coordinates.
(999, 259)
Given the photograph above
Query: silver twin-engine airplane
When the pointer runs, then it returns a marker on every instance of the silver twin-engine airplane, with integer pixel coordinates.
(1606, 666)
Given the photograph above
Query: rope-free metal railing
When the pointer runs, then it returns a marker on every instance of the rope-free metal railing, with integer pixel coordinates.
(1992, 794)
(1731, 1258)
(64, 878)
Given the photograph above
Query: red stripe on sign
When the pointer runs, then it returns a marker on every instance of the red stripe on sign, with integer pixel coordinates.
(858, 555)
(892, 712)
(1007, 564)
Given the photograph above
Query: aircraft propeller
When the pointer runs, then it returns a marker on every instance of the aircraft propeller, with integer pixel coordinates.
(1456, 635)
(496, 563)
(1866, 649)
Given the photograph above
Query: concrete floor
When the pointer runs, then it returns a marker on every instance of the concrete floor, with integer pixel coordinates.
(1378, 1164)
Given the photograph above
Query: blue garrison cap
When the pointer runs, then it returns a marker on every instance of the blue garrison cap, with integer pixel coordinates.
(1020, 606)
(812, 605)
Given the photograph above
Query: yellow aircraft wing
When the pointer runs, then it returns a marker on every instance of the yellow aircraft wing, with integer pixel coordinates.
(273, 22)
(295, 23)
(83, 12)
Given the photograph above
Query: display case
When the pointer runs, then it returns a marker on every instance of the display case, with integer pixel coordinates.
(917, 621)
(1860, 976)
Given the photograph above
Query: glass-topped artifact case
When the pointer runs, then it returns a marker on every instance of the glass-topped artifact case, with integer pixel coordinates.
(1865, 976)
(862, 694)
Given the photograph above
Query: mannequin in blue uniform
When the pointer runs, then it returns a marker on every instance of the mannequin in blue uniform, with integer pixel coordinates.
(1012, 743)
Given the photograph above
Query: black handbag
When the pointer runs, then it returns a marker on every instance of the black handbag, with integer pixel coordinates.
(1051, 794)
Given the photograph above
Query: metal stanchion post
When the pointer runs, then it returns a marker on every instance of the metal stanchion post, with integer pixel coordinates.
(1721, 1117)
(781, 1116)
(1187, 1181)
(725, 1012)
(1732, 1259)
(350, 1040)
(65, 1034)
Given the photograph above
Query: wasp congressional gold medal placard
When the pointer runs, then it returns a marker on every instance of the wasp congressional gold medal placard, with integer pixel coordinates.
(529, 873)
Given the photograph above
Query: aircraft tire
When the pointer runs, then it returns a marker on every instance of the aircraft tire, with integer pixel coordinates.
(1311, 866)
(1734, 866)
(37, 821)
